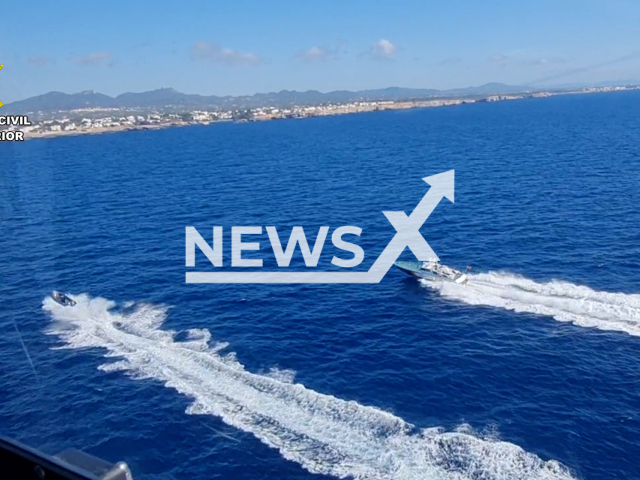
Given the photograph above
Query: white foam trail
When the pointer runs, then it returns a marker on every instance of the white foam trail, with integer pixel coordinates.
(285, 375)
(320, 432)
(563, 301)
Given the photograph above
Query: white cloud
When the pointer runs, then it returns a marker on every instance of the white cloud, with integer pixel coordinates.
(315, 53)
(92, 58)
(548, 61)
(524, 59)
(321, 52)
(212, 52)
(385, 48)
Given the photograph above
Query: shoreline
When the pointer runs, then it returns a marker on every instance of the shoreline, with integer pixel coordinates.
(99, 131)
(363, 107)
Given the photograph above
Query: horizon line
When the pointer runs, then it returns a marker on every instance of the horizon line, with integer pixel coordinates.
(526, 87)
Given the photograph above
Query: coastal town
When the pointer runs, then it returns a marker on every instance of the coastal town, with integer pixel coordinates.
(96, 120)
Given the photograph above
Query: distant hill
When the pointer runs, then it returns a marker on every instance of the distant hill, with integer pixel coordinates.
(62, 101)
(168, 97)
(162, 97)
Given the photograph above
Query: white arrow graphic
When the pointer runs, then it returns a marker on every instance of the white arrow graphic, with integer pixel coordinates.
(408, 228)
(407, 235)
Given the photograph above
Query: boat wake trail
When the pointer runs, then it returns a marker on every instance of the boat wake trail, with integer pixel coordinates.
(563, 301)
(322, 433)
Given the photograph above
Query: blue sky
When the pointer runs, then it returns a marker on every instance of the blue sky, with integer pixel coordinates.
(242, 47)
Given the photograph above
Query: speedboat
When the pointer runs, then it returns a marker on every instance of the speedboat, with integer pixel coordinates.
(62, 299)
(432, 270)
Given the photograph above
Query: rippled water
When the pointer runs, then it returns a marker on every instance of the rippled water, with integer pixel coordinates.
(529, 372)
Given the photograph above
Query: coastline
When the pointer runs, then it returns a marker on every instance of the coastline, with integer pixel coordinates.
(99, 131)
(363, 107)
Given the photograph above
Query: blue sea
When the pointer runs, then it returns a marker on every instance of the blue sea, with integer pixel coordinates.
(531, 371)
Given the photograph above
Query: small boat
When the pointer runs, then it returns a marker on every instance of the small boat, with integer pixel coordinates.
(432, 270)
(62, 299)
